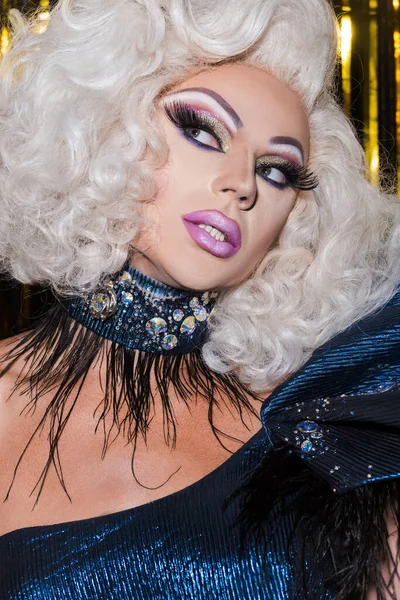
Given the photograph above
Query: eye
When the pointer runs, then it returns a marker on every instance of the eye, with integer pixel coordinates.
(282, 174)
(274, 175)
(203, 137)
(199, 128)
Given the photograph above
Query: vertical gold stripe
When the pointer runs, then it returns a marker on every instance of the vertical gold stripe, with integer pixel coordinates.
(396, 45)
(346, 35)
(396, 41)
(4, 41)
(371, 131)
(44, 16)
(4, 32)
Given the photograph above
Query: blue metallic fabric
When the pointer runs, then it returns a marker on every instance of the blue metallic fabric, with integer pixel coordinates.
(341, 412)
(182, 547)
(345, 402)
(141, 313)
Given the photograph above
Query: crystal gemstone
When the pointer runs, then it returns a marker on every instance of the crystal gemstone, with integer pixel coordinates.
(125, 279)
(103, 304)
(156, 326)
(188, 325)
(127, 298)
(178, 315)
(307, 426)
(306, 446)
(169, 342)
(200, 313)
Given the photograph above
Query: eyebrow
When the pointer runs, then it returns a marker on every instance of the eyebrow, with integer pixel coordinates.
(221, 101)
(291, 141)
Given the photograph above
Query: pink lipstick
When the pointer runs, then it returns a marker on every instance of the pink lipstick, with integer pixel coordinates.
(214, 232)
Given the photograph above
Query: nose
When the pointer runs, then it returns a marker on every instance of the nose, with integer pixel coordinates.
(236, 178)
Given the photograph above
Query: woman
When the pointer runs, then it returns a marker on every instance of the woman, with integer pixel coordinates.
(179, 173)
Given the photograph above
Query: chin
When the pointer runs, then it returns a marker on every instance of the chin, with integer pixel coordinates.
(194, 274)
(196, 281)
(196, 277)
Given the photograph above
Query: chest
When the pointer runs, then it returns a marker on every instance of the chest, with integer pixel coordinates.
(83, 480)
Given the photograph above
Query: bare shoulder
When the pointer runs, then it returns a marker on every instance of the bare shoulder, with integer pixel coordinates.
(15, 429)
(8, 344)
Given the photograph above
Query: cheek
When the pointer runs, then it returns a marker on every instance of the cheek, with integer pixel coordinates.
(164, 202)
(269, 221)
(187, 171)
(190, 167)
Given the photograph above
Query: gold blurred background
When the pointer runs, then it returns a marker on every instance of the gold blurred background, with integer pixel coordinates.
(368, 86)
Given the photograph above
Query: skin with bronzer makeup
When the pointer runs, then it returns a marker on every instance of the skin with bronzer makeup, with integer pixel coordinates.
(230, 177)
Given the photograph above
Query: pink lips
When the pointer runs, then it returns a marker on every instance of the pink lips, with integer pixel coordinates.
(214, 218)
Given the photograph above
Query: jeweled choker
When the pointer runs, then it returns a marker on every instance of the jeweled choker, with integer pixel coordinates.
(141, 313)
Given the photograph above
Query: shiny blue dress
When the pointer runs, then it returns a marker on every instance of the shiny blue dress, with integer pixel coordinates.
(340, 415)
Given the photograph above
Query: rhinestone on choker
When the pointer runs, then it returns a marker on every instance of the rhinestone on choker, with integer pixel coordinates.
(141, 313)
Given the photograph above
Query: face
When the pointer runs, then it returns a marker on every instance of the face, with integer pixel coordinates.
(238, 144)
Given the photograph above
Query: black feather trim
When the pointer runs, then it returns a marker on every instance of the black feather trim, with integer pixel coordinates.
(347, 533)
(58, 354)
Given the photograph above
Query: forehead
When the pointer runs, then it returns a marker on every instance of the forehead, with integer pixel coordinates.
(262, 102)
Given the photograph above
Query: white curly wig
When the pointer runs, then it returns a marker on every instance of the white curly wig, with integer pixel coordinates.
(76, 114)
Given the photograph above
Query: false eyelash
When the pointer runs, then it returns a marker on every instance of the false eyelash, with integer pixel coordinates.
(298, 178)
(184, 116)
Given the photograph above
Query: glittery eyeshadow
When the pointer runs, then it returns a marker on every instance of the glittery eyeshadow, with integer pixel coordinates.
(216, 126)
(274, 161)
